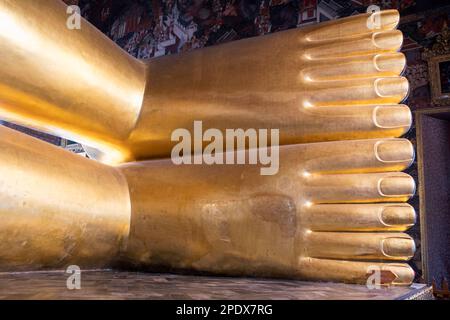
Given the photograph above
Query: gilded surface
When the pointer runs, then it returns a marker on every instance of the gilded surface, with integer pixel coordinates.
(337, 80)
(333, 212)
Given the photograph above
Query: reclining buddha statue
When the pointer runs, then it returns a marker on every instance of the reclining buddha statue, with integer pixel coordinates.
(335, 209)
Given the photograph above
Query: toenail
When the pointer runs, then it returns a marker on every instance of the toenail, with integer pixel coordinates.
(397, 186)
(390, 62)
(389, 87)
(392, 116)
(387, 18)
(398, 247)
(398, 150)
(388, 39)
(404, 273)
(398, 215)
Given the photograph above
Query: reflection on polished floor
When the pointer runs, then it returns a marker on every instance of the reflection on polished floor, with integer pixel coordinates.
(133, 285)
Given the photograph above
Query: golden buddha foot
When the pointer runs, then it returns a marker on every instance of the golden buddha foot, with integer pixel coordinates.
(335, 211)
(333, 81)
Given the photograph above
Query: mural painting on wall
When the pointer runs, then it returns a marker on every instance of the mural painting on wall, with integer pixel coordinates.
(152, 28)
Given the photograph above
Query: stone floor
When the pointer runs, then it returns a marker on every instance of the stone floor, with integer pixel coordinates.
(131, 285)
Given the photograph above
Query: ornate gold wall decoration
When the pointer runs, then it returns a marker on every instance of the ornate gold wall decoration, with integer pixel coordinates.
(438, 58)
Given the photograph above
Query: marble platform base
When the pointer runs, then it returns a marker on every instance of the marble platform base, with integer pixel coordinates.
(132, 285)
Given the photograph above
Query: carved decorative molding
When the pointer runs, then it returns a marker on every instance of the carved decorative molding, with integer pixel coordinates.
(441, 46)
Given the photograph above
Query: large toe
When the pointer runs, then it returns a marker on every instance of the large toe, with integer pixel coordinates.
(355, 25)
(377, 65)
(358, 156)
(359, 188)
(379, 42)
(360, 245)
(356, 272)
(359, 217)
(389, 90)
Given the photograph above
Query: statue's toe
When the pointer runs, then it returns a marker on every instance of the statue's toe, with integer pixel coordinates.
(355, 25)
(360, 217)
(368, 273)
(360, 245)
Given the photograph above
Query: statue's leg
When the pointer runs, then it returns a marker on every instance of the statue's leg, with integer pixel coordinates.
(57, 208)
(332, 81)
(319, 218)
(335, 211)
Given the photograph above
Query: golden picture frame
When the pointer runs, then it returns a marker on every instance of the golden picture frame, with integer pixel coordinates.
(438, 58)
(439, 73)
